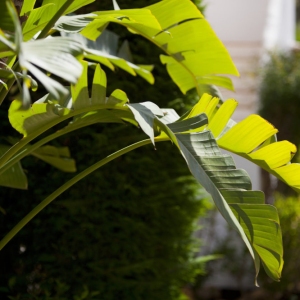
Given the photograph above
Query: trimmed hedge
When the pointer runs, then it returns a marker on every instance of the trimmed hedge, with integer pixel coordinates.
(124, 232)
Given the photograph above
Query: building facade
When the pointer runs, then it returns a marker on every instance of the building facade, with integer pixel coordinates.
(249, 30)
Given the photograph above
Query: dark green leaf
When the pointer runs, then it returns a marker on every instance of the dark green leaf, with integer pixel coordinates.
(14, 177)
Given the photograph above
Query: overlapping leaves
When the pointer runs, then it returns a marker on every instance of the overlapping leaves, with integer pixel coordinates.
(195, 54)
(184, 35)
(253, 138)
(39, 17)
(105, 51)
(230, 187)
(47, 112)
(243, 209)
(57, 55)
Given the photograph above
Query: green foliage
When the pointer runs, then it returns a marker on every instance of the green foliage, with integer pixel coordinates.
(122, 232)
(198, 135)
(125, 232)
(165, 31)
(279, 100)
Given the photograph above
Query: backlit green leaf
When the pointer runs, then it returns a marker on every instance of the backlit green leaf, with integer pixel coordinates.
(253, 138)
(37, 20)
(48, 112)
(131, 18)
(58, 4)
(99, 86)
(254, 127)
(27, 6)
(195, 54)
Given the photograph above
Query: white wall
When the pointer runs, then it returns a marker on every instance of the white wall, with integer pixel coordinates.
(237, 20)
(247, 29)
(280, 26)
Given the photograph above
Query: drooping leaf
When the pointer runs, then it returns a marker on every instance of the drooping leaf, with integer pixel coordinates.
(55, 55)
(243, 209)
(184, 35)
(14, 177)
(229, 186)
(259, 222)
(144, 114)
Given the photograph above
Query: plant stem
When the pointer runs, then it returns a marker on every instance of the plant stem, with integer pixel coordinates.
(70, 183)
(51, 23)
(23, 142)
(30, 148)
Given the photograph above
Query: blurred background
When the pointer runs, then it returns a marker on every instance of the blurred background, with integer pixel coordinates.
(121, 233)
(262, 37)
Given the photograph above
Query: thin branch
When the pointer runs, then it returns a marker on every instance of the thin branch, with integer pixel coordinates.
(25, 141)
